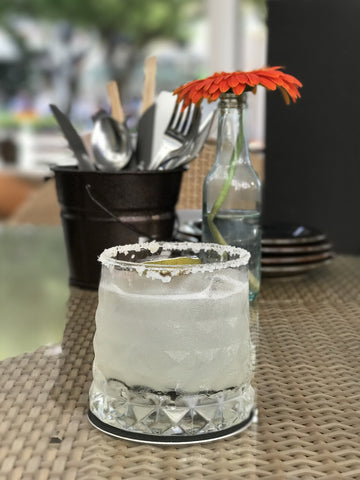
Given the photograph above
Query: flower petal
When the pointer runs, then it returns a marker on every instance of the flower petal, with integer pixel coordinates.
(253, 79)
(220, 77)
(207, 84)
(236, 78)
(211, 87)
(195, 96)
(285, 95)
(215, 95)
(239, 89)
(265, 82)
(224, 86)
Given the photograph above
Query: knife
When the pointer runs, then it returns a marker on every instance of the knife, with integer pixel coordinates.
(75, 142)
(146, 122)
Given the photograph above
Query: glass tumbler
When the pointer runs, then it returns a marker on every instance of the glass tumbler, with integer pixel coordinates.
(172, 343)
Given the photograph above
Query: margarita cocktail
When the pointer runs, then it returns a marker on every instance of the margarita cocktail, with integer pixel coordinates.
(172, 342)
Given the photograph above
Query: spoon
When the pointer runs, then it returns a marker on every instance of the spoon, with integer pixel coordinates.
(111, 144)
(110, 140)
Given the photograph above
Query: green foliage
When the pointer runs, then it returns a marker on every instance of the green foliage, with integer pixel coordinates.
(10, 121)
(138, 20)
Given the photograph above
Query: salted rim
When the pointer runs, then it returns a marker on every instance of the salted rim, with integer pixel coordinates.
(107, 257)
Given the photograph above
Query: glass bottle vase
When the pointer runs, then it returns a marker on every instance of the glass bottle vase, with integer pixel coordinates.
(232, 189)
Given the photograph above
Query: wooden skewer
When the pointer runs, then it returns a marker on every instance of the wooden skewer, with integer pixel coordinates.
(115, 102)
(149, 84)
(86, 138)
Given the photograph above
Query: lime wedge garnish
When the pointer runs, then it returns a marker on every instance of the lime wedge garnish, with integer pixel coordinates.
(254, 283)
(176, 261)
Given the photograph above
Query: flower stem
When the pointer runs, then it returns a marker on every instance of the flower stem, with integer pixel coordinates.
(253, 281)
(225, 189)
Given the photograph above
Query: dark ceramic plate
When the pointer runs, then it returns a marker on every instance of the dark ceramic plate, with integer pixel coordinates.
(285, 270)
(296, 249)
(294, 259)
(290, 235)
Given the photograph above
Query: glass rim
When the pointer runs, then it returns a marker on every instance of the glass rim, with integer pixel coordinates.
(108, 256)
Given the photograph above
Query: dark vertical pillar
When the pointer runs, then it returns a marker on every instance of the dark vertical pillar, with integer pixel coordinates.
(313, 147)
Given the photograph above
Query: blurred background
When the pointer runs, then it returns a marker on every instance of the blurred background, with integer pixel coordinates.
(65, 52)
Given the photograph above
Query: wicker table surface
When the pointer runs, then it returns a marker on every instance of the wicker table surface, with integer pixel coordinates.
(307, 333)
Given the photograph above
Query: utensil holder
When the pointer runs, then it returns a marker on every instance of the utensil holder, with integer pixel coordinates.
(102, 209)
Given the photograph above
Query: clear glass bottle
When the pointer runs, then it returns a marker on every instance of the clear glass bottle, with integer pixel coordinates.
(232, 189)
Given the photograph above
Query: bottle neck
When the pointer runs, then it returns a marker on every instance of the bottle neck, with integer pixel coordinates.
(231, 130)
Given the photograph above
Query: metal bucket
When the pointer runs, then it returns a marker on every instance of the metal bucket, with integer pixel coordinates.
(103, 209)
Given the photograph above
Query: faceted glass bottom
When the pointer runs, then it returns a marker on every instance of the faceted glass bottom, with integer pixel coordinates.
(144, 411)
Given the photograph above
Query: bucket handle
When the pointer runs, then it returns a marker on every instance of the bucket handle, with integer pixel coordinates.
(125, 224)
(106, 210)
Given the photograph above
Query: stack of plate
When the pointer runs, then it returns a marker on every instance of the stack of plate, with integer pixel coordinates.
(285, 249)
(290, 250)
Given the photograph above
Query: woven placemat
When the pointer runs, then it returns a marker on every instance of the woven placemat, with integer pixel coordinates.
(192, 182)
(337, 282)
(307, 336)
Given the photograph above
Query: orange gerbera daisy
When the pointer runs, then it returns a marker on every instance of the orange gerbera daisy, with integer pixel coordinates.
(239, 82)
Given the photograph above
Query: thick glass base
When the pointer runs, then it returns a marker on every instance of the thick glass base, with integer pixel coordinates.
(143, 411)
(171, 439)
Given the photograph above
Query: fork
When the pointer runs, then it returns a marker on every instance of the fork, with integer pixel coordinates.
(181, 129)
(191, 149)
